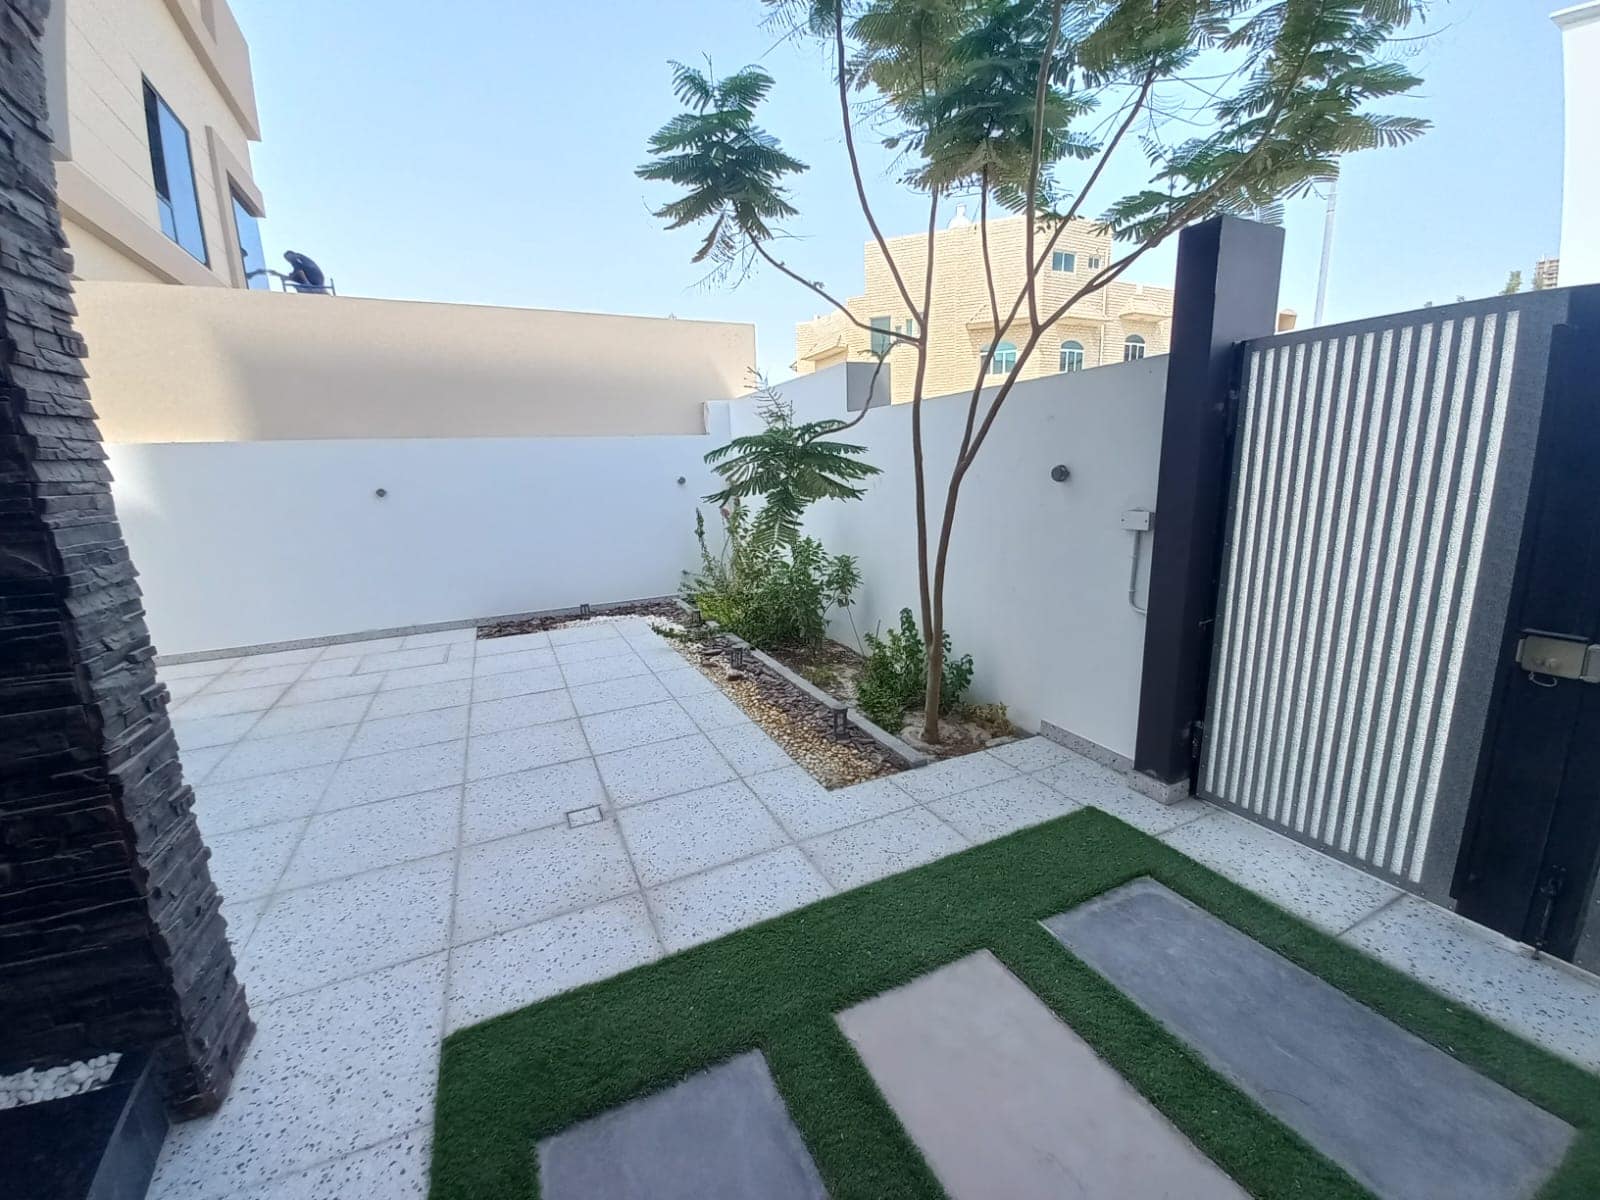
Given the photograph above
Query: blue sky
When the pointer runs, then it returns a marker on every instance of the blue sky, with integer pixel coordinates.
(484, 153)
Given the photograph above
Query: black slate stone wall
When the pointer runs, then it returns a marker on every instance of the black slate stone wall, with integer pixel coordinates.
(110, 932)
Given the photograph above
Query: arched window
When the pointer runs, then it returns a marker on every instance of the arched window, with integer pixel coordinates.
(1005, 358)
(1132, 348)
(1072, 356)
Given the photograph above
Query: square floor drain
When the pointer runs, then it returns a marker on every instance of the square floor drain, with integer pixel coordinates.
(584, 816)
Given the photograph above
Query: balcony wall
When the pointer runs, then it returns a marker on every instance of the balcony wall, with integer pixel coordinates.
(171, 364)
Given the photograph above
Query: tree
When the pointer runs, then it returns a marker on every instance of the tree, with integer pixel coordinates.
(1234, 104)
(790, 467)
(1513, 284)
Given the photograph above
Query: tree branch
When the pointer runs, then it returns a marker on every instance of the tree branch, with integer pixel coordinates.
(855, 164)
(823, 292)
(918, 462)
(1034, 165)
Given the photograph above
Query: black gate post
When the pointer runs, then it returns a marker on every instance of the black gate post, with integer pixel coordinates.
(1227, 292)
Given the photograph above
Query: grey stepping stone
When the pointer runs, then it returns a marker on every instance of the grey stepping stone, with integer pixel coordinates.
(1402, 1117)
(1005, 1100)
(723, 1134)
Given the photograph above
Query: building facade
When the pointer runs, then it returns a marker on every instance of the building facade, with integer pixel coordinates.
(1122, 321)
(1580, 181)
(152, 106)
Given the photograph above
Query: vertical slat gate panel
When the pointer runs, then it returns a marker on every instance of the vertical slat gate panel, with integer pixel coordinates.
(1365, 464)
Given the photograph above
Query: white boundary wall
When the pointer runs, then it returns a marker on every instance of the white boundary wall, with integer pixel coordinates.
(251, 543)
(254, 543)
(1037, 588)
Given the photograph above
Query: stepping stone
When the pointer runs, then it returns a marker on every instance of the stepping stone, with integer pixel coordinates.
(1005, 1100)
(722, 1134)
(1405, 1119)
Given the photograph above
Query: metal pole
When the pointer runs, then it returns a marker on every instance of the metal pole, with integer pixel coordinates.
(1327, 251)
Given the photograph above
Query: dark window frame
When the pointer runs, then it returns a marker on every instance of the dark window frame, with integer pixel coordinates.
(238, 203)
(154, 104)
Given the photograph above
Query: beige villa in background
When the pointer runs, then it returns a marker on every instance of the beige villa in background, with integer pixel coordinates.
(1122, 321)
(153, 112)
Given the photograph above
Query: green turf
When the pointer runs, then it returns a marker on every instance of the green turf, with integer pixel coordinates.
(517, 1078)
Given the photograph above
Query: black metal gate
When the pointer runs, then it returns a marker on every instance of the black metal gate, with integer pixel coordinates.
(1528, 862)
(1387, 474)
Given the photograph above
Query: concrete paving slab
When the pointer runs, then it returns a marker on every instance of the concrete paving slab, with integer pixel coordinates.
(723, 1134)
(1402, 1117)
(1005, 1100)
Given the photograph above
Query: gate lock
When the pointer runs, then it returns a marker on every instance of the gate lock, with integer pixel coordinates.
(1554, 656)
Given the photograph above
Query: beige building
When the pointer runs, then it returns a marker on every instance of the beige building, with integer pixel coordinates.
(153, 111)
(1120, 322)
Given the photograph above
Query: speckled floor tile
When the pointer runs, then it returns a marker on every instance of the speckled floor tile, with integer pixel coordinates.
(221, 704)
(495, 646)
(599, 670)
(464, 635)
(953, 775)
(622, 728)
(510, 970)
(331, 668)
(242, 679)
(247, 864)
(519, 880)
(1327, 893)
(807, 809)
(1000, 808)
(882, 846)
(206, 669)
(594, 631)
(528, 800)
(179, 690)
(198, 764)
(628, 692)
(332, 931)
(396, 1169)
(279, 658)
(1033, 754)
(696, 830)
(393, 1170)
(309, 690)
(519, 749)
(319, 714)
(662, 769)
(361, 647)
(198, 733)
(686, 681)
(1548, 1004)
(517, 660)
(713, 710)
(571, 653)
(397, 773)
(413, 729)
(514, 712)
(1087, 782)
(517, 683)
(226, 807)
(400, 701)
(396, 660)
(330, 1072)
(700, 907)
(449, 671)
(749, 749)
(349, 840)
(286, 752)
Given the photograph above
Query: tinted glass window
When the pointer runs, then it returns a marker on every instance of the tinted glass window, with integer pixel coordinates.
(880, 341)
(1063, 260)
(250, 253)
(1072, 356)
(1133, 348)
(173, 170)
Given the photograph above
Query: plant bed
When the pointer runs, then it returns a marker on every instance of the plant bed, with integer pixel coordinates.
(667, 610)
(797, 722)
(837, 670)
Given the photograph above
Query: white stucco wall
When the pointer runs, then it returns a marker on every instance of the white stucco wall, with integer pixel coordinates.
(1037, 589)
(250, 543)
(1580, 191)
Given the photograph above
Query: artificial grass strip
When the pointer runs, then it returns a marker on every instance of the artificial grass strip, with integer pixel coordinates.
(512, 1080)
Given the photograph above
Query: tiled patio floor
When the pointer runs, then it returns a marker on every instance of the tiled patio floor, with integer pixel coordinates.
(413, 834)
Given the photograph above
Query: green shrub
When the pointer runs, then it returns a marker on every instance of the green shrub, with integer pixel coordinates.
(770, 595)
(895, 677)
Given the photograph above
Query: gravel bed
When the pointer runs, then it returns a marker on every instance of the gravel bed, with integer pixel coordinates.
(795, 721)
(661, 610)
(56, 1083)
